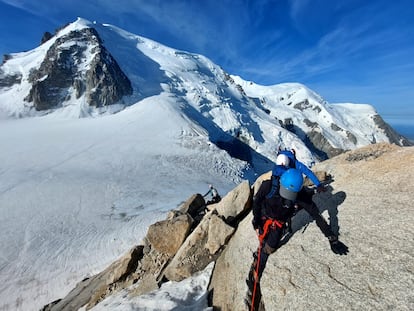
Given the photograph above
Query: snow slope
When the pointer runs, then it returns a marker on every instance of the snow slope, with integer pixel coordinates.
(79, 186)
(190, 294)
(75, 194)
(296, 101)
(238, 108)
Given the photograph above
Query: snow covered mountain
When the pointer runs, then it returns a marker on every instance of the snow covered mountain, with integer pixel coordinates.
(103, 131)
(77, 70)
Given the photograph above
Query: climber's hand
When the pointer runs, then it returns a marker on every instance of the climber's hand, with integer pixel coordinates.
(337, 246)
(320, 189)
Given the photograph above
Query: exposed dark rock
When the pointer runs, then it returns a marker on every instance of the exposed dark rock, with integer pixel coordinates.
(65, 67)
(314, 140)
(46, 37)
(241, 90)
(310, 123)
(9, 80)
(288, 124)
(302, 105)
(351, 137)
(317, 109)
(106, 84)
(392, 135)
(335, 127)
(317, 143)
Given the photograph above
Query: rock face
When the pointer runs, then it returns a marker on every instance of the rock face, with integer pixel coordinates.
(66, 67)
(368, 202)
(228, 286)
(9, 80)
(393, 136)
(176, 229)
(174, 249)
(200, 248)
(91, 290)
(235, 203)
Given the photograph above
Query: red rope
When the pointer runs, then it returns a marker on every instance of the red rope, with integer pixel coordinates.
(267, 224)
(257, 273)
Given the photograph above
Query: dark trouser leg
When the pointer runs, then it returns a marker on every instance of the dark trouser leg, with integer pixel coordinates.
(264, 256)
(269, 246)
(305, 201)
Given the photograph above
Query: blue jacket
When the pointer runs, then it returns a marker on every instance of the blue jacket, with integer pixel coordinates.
(278, 170)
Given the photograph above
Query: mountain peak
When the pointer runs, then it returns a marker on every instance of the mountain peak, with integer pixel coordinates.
(88, 67)
(74, 68)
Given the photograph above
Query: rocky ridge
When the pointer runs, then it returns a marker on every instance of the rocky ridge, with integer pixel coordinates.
(65, 66)
(368, 204)
(75, 67)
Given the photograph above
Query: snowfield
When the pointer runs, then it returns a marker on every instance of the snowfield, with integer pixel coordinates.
(79, 186)
(75, 194)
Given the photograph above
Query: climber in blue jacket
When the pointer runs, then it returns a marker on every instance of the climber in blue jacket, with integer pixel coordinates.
(286, 159)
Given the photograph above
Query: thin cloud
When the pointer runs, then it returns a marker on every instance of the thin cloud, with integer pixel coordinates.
(352, 43)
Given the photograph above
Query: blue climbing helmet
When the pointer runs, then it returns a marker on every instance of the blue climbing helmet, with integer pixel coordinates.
(290, 184)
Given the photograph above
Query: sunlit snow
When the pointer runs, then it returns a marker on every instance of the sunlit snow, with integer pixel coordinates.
(80, 186)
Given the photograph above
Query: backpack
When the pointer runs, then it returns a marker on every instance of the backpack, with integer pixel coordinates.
(278, 170)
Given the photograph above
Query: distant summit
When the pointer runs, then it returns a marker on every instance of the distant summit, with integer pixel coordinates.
(88, 68)
(72, 66)
(103, 131)
(76, 65)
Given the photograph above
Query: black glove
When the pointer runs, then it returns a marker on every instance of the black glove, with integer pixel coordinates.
(337, 246)
(257, 222)
(320, 188)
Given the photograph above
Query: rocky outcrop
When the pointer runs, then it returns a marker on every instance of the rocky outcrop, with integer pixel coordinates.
(176, 229)
(368, 203)
(228, 287)
(314, 138)
(200, 248)
(235, 203)
(9, 80)
(66, 66)
(91, 290)
(173, 249)
(392, 135)
(318, 143)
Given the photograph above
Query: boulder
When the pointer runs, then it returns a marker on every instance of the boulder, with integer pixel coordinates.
(196, 252)
(167, 236)
(228, 286)
(193, 206)
(235, 203)
(203, 244)
(91, 290)
(218, 234)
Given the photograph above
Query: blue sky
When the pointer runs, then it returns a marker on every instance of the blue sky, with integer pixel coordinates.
(348, 51)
